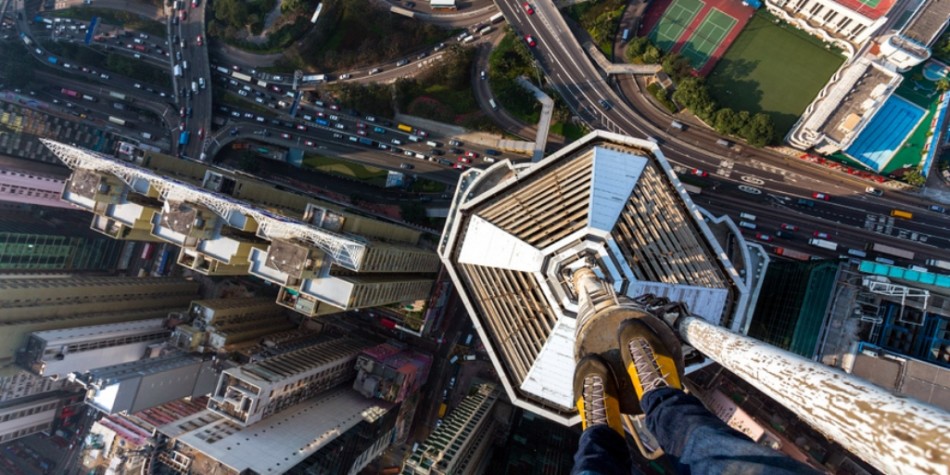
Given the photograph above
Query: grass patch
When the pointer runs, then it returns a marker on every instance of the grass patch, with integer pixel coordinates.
(568, 130)
(774, 69)
(235, 100)
(129, 21)
(601, 19)
(346, 168)
(422, 185)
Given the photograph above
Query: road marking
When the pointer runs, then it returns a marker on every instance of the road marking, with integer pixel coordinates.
(750, 189)
(752, 179)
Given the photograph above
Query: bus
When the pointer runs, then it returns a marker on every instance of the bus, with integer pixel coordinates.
(404, 128)
(69, 92)
(940, 264)
(117, 95)
(897, 213)
(241, 76)
(890, 250)
(117, 121)
(183, 138)
(162, 268)
(496, 17)
(692, 189)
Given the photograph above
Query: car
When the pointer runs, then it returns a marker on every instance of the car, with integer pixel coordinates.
(937, 209)
(698, 172)
(201, 133)
(181, 112)
(339, 126)
(361, 132)
(183, 125)
(422, 133)
(182, 14)
(242, 92)
(334, 107)
(248, 115)
(789, 227)
(458, 166)
(604, 104)
(301, 127)
(437, 151)
(285, 136)
(194, 3)
(465, 160)
(199, 41)
(234, 131)
(309, 143)
(275, 88)
(820, 235)
(820, 196)
(471, 155)
(528, 8)
(407, 166)
(530, 40)
(138, 86)
(360, 125)
(337, 136)
(763, 237)
(409, 153)
(483, 75)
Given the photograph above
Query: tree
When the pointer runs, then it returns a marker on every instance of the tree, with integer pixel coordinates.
(943, 85)
(693, 94)
(760, 131)
(652, 55)
(726, 121)
(914, 178)
(676, 66)
(636, 47)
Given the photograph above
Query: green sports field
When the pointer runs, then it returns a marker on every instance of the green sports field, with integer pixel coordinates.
(773, 69)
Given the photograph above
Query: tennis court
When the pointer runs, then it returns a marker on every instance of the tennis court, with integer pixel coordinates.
(707, 37)
(674, 22)
(888, 129)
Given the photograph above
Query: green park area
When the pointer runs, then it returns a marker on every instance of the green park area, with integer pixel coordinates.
(773, 68)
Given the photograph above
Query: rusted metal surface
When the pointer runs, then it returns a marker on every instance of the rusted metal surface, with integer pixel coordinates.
(897, 435)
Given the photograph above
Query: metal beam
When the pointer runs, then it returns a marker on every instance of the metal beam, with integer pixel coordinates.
(897, 435)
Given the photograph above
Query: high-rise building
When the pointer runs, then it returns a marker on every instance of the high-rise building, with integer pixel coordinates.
(516, 233)
(390, 372)
(249, 393)
(32, 183)
(226, 324)
(459, 446)
(37, 303)
(145, 383)
(37, 239)
(56, 353)
(792, 316)
(326, 257)
(31, 414)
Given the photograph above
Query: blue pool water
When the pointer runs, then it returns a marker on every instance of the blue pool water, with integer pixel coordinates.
(886, 132)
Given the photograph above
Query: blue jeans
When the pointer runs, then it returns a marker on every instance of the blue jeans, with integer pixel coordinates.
(694, 438)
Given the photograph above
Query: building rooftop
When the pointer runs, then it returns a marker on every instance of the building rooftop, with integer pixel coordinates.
(858, 105)
(515, 231)
(930, 20)
(279, 442)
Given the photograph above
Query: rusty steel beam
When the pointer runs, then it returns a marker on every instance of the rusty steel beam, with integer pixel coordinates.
(897, 435)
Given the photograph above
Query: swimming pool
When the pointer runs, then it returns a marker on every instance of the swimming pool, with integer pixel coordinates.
(888, 129)
(935, 71)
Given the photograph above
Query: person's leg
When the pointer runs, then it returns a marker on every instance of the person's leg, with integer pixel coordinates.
(601, 451)
(701, 443)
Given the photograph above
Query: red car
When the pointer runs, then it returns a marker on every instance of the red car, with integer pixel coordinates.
(699, 172)
(459, 166)
(201, 133)
(182, 15)
(763, 237)
(301, 127)
(334, 107)
(527, 8)
(820, 235)
(820, 196)
(199, 40)
(471, 155)
(309, 143)
(465, 160)
(422, 133)
(321, 114)
(789, 227)
(361, 132)
(360, 125)
(530, 40)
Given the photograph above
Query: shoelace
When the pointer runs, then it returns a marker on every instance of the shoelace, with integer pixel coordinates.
(648, 370)
(594, 400)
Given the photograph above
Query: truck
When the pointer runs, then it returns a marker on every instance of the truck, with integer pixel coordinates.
(940, 264)
(890, 250)
(824, 244)
(404, 128)
(315, 78)
(183, 137)
(117, 95)
(146, 136)
(69, 92)
(117, 120)
(496, 18)
(791, 253)
(241, 76)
